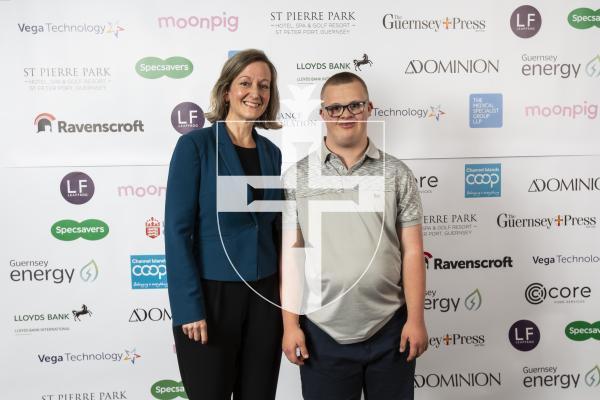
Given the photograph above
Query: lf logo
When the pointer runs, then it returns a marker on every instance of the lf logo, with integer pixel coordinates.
(524, 335)
(186, 117)
(526, 21)
(77, 188)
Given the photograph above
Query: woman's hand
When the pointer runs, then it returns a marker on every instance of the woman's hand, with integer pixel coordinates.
(196, 331)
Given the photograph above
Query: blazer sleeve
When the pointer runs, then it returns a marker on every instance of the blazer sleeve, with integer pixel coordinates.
(181, 214)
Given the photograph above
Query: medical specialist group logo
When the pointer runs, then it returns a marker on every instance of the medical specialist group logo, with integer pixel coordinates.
(560, 221)
(77, 188)
(584, 18)
(127, 356)
(89, 229)
(312, 22)
(74, 78)
(571, 184)
(173, 67)
(524, 335)
(42, 271)
(551, 376)
(444, 225)
(526, 21)
(435, 302)
(44, 123)
(489, 264)
(536, 293)
(453, 66)
(485, 110)
(148, 272)
(580, 331)
(399, 22)
(456, 339)
(168, 389)
(186, 117)
(483, 180)
(213, 23)
(111, 29)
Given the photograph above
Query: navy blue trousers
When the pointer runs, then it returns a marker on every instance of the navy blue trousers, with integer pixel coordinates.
(343, 371)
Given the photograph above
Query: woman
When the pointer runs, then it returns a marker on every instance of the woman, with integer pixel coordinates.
(227, 338)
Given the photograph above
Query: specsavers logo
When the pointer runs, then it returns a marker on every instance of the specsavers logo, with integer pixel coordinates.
(581, 330)
(168, 390)
(584, 18)
(90, 229)
(172, 67)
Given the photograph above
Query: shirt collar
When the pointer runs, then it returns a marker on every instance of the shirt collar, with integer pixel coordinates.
(371, 152)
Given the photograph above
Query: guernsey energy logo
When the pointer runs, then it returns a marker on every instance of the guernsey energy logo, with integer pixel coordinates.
(168, 390)
(580, 331)
(172, 67)
(69, 230)
(584, 18)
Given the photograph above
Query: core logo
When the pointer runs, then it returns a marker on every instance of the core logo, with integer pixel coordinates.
(90, 229)
(526, 21)
(524, 335)
(77, 188)
(483, 180)
(148, 272)
(581, 330)
(584, 18)
(172, 67)
(536, 293)
(168, 390)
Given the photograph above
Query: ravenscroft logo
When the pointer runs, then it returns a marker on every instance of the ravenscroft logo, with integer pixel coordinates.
(401, 23)
(564, 184)
(168, 390)
(90, 229)
(172, 67)
(77, 188)
(454, 66)
(485, 110)
(43, 123)
(483, 180)
(582, 330)
(460, 380)
(186, 117)
(573, 111)
(148, 272)
(111, 28)
(536, 293)
(489, 264)
(524, 335)
(212, 23)
(584, 18)
(526, 21)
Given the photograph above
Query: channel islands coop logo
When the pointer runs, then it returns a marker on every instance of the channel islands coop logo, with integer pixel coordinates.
(69, 230)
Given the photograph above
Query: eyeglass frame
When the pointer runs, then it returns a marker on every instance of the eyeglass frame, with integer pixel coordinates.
(363, 103)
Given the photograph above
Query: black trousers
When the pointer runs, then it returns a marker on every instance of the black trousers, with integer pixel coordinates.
(343, 371)
(243, 352)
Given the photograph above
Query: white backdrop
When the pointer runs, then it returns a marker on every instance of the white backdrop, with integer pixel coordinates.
(537, 137)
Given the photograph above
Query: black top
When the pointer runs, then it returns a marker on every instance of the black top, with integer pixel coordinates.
(251, 166)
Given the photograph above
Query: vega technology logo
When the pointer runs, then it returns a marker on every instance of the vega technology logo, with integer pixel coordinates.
(148, 272)
(111, 28)
(584, 18)
(172, 67)
(483, 180)
(90, 229)
(485, 110)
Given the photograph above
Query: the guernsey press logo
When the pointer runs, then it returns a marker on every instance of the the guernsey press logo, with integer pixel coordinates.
(45, 122)
(90, 229)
